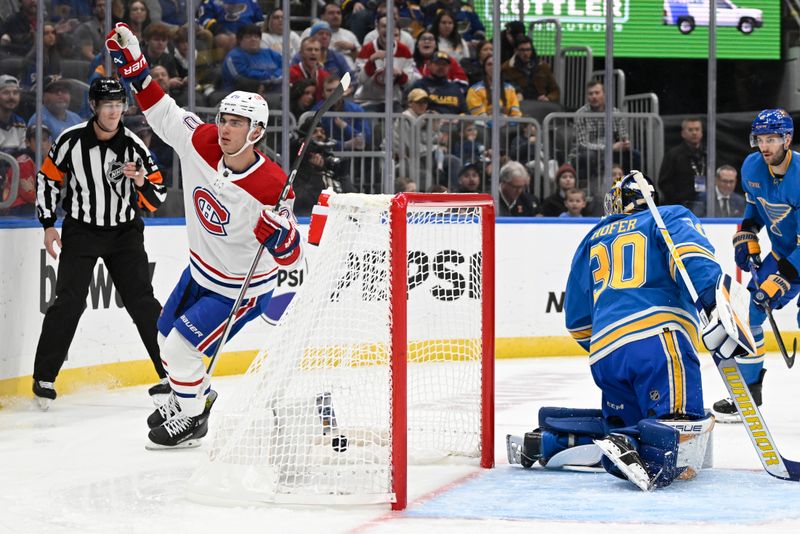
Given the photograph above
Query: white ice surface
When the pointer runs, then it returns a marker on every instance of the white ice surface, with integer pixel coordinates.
(82, 468)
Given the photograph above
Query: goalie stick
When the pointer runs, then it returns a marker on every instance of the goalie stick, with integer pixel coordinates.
(755, 425)
(789, 361)
(344, 83)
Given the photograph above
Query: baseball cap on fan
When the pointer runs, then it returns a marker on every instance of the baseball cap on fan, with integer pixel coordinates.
(320, 26)
(6, 80)
(418, 95)
(30, 132)
(469, 165)
(441, 56)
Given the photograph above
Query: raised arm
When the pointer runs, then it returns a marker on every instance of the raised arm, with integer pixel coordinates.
(169, 121)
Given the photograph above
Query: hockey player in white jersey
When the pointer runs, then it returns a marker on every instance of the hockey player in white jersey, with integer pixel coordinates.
(227, 185)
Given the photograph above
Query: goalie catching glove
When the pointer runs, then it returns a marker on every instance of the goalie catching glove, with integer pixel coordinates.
(727, 333)
(279, 235)
(123, 46)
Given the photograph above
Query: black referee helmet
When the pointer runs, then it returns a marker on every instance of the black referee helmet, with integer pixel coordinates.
(106, 89)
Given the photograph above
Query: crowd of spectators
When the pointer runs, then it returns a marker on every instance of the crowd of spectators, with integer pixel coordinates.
(442, 65)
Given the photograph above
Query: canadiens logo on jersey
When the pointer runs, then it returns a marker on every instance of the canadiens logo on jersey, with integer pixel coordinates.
(211, 214)
(776, 213)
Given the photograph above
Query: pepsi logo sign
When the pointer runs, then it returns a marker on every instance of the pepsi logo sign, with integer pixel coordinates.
(211, 214)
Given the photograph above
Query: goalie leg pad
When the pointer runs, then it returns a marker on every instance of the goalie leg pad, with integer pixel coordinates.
(693, 443)
(572, 420)
(567, 434)
(563, 438)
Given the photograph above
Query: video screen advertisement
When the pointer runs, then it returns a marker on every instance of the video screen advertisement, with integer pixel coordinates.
(746, 29)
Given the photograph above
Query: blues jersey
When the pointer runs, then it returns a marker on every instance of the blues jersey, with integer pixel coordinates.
(623, 285)
(774, 203)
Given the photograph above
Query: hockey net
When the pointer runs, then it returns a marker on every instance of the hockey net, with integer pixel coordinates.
(384, 357)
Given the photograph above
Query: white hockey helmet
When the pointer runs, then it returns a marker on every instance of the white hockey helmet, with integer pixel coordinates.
(252, 106)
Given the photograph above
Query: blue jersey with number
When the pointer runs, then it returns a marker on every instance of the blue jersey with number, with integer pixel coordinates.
(623, 285)
(773, 202)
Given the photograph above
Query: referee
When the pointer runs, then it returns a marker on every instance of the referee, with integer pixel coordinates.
(102, 174)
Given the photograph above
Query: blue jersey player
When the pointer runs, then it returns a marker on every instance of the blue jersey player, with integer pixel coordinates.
(771, 182)
(628, 307)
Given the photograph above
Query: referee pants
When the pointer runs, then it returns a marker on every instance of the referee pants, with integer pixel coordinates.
(122, 250)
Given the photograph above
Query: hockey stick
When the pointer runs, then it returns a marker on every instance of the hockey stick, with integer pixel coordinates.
(326, 105)
(772, 461)
(789, 361)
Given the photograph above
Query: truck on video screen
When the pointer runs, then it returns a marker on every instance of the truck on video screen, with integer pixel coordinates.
(686, 14)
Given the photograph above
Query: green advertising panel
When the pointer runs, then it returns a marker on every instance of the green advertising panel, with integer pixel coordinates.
(746, 29)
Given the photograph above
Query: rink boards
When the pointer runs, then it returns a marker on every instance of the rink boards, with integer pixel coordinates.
(533, 258)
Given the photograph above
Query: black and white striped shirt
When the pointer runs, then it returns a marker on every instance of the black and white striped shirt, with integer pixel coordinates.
(85, 174)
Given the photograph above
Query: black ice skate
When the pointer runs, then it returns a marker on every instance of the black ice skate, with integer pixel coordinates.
(617, 449)
(179, 431)
(45, 394)
(168, 410)
(160, 392)
(725, 410)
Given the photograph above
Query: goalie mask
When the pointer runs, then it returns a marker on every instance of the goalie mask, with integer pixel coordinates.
(251, 106)
(626, 197)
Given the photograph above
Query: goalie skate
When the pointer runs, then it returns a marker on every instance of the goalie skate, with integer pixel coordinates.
(627, 459)
(523, 451)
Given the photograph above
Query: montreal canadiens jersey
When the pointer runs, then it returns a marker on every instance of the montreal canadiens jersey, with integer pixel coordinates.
(775, 203)
(623, 285)
(222, 207)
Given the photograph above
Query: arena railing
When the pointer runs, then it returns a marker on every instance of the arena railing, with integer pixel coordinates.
(645, 132)
(641, 103)
(440, 142)
(573, 75)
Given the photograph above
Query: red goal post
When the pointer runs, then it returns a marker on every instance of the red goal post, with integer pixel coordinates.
(399, 216)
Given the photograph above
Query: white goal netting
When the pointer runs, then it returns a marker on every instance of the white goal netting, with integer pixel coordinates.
(313, 420)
